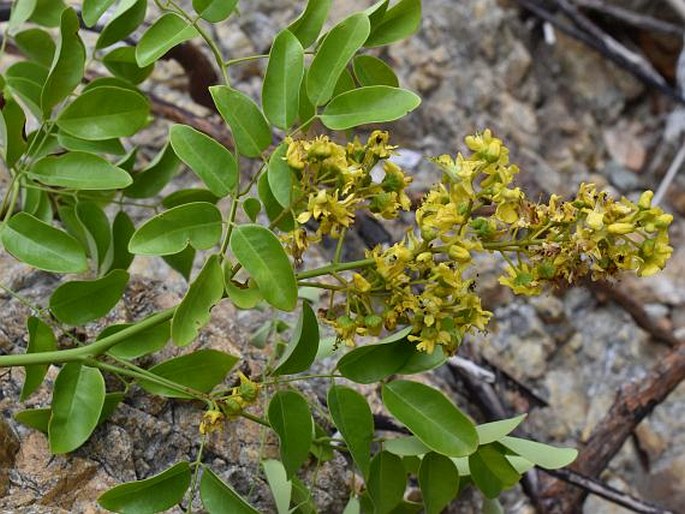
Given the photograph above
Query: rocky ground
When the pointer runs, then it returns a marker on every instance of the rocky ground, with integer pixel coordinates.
(568, 116)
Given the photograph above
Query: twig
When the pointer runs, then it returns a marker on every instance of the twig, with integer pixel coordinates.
(673, 170)
(678, 6)
(473, 369)
(636, 311)
(591, 35)
(592, 485)
(631, 17)
(633, 403)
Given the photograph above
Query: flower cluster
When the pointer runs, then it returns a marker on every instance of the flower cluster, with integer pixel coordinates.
(335, 182)
(427, 280)
(244, 394)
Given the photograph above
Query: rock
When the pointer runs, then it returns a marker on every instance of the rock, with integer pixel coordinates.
(622, 178)
(625, 147)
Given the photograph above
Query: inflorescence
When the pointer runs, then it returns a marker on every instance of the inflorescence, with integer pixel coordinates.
(427, 279)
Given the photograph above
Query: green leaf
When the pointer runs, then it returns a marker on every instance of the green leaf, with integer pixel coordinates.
(282, 217)
(352, 416)
(25, 79)
(37, 45)
(67, 69)
(139, 344)
(281, 86)
(280, 486)
(183, 196)
(201, 370)
(110, 146)
(252, 207)
(43, 246)
(210, 160)
(167, 32)
(389, 356)
(182, 261)
(98, 232)
(290, 418)
(77, 399)
(439, 481)
(214, 11)
(81, 301)
(491, 471)
(41, 339)
(14, 143)
(308, 25)
(93, 10)
(110, 82)
(48, 12)
(38, 419)
(280, 176)
(302, 496)
(370, 104)
(37, 203)
(194, 310)
(122, 230)
(301, 351)
(21, 12)
(398, 22)
(104, 113)
(243, 296)
(196, 224)
(345, 83)
(336, 50)
(543, 455)
(431, 417)
(307, 110)
(121, 62)
(491, 432)
(249, 126)
(156, 175)
(79, 170)
(386, 483)
(372, 71)
(260, 252)
(155, 494)
(406, 446)
(127, 17)
(220, 498)
(353, 506)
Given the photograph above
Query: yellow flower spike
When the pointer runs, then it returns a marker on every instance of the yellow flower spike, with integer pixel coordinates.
(211, 422)
(360, 283)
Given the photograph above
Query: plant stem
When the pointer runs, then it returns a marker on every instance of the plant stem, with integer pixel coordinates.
(85, 352)
(256, 419)
(231, 223)
(334, 268)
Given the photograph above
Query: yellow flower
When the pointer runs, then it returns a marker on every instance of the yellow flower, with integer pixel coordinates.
(360, 283)
(211, 421)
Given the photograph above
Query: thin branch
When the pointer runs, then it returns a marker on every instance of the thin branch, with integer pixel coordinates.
(673, 170)
(591, 35)
(592, 485)
(633, 18)
(636, 311)
(633, 403)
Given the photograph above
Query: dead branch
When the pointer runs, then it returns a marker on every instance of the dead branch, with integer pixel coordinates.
(633, 18)
(636, 311)
(633, 403)
(588, 33)
(607, 492)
